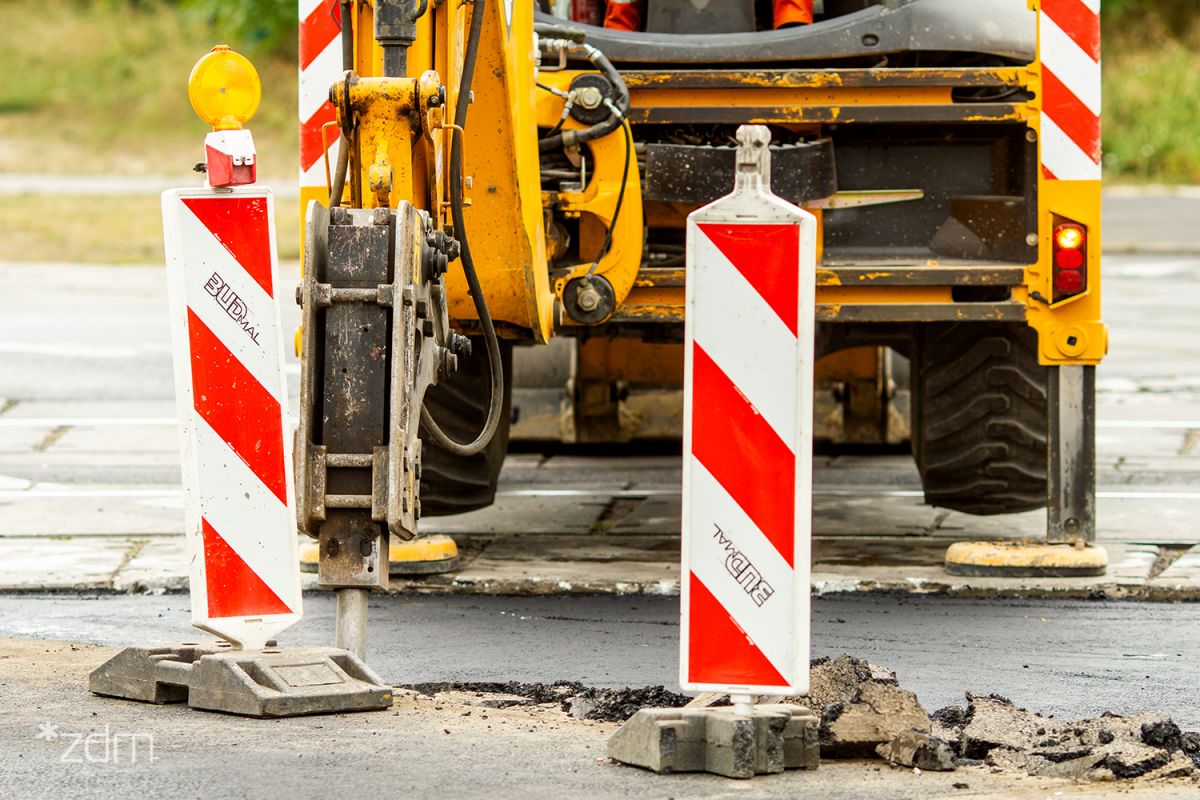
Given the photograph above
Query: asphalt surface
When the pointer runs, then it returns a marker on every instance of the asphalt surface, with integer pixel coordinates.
(59, 742)
(1069, 659)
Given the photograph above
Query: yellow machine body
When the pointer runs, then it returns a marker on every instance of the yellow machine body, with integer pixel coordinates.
(507, 209)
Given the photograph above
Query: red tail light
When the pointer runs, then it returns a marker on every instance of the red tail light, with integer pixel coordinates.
(1070, 259)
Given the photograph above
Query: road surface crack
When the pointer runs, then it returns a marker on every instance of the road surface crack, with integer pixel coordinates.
(50, 438)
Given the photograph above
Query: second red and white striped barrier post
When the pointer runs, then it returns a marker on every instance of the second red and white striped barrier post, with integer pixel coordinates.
(747, 486)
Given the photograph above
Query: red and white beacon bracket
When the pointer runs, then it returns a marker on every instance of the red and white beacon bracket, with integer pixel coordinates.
(231, 397)
(229, 158)
(747, 469)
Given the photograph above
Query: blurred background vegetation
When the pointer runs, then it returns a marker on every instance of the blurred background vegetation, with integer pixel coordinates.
(98, 86)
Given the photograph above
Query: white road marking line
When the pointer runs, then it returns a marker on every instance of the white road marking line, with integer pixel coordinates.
(69, 350)
(87, 422)
(58, 494)
(94, 422)
(1142, 424)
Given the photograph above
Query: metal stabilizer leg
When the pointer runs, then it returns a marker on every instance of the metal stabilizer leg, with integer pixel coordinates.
(272, 682)
(771, 738)
(352, 620)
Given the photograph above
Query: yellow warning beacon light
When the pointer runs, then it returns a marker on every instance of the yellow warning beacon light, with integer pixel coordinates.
(224, 89)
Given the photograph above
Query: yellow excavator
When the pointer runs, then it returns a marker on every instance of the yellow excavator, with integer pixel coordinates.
(508, 178)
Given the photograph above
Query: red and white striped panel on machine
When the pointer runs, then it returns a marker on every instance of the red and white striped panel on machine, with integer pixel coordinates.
(1069, 43)
(320, 67)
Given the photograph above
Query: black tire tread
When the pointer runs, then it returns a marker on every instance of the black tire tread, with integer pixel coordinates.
(979, 417)
(452, 484)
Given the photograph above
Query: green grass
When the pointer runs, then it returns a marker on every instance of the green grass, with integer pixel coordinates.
(106, 230)
(101, 87)
(1151, 101)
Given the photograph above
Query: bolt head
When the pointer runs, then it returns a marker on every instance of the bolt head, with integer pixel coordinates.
(587, 299)
(590, 97)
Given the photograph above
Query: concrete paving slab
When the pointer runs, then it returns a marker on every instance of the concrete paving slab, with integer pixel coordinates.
(23, 439)
(141, 439)
(137, 510)
(1141, 516)
(527, 514)
(1132, 565)
(1141, 221)
(531, 564)
(1182, 575)
(859, 515)
(107, 412)
(959, 526)
(592, 464)
(660, 514)
(86, 471)
(13, 483)
(61, 563)
(536, 564)
(1144, 442)
(156, 565)
(521, 461)
(1127, 576)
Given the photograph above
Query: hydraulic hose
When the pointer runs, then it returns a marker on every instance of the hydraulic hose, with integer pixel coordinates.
(496, 404)
(617, 109)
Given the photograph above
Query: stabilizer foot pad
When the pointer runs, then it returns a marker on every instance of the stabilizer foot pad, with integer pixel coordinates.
(425, 555)
(775, 738)
(272, 682)
(1025, 560)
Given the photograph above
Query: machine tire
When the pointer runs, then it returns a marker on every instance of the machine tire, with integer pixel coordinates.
(980, 417)
(452, 484)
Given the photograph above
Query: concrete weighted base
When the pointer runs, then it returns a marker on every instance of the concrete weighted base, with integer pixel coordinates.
(774, 738)
(272, 682)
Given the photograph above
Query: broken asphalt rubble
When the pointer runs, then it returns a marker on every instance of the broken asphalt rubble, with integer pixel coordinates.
(865, 710)
(866, 713)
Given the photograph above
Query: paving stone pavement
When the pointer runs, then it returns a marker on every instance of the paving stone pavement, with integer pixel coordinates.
(89, 494)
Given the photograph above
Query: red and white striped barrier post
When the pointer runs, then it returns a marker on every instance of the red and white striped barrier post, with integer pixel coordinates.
(747, 486)
(747, 447)
(1069, 44)
(235, 442)
(231, 398)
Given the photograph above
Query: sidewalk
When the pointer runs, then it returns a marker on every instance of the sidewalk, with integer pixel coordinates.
(1152, 219)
